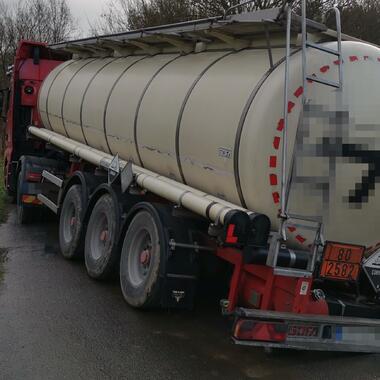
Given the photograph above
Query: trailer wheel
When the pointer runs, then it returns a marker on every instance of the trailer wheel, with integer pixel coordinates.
(141, 259)
(25, 215)
(71, 223)
(101, 253)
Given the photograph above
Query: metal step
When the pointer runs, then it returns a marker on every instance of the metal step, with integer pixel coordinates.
(290, 272)
(52, 178)
(48, 203)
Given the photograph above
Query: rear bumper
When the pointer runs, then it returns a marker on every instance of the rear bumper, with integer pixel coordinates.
(318, 332)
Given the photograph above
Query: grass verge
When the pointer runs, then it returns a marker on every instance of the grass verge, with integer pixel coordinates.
(3, 196)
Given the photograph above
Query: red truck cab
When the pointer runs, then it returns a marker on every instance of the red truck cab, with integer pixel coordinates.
(32, 63)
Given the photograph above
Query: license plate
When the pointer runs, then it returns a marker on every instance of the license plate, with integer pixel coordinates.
(341, 261)
(304, 331)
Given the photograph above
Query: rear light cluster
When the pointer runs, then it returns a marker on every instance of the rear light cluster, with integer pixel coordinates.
(33, 177)
(30, 200)
(247, 329)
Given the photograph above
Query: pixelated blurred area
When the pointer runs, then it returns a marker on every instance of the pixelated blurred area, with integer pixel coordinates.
(330, 143)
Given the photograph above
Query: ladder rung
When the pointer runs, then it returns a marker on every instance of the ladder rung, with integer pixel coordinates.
(323, 81)
(305, 218)
(323, 48)
(312, 219)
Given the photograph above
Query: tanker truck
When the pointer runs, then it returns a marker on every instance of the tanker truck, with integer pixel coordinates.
(246, 143)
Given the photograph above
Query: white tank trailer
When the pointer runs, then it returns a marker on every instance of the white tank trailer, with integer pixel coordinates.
(213, 120)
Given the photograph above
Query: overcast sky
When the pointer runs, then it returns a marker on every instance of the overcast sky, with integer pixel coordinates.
(85, 11)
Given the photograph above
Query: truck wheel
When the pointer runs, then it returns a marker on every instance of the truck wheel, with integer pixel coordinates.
(141, 259)
(25, 215)
(101, 253)
(70, 223)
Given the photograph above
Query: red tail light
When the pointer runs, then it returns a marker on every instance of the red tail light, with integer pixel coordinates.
(33, 177)
(30, 200)
(247, 329)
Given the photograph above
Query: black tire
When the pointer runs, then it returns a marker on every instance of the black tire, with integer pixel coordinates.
(101, 252)
(71, 224)
(25, 215)
(142, 257)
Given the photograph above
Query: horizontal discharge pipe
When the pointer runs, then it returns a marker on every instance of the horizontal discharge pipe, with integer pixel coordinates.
(194, 200)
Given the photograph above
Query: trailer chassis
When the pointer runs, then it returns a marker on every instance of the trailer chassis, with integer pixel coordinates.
(268, 310)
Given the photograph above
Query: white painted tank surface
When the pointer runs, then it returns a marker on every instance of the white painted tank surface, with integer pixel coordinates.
(213, 120)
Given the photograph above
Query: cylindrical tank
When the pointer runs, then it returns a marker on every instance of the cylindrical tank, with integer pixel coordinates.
(214, 120)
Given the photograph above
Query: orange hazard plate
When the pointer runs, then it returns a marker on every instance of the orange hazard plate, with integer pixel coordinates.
(341, 261)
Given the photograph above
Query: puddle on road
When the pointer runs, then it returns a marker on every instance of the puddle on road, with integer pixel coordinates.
(3, 260)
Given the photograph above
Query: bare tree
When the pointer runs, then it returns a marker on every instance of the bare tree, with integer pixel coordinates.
(39, 20)
(215, 8)
(361, 18)
(43, 20)
(159, 12)
(121, 15)
(113, 19)
(6, 43)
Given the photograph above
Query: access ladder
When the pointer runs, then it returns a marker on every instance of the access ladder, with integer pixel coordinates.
(286, 219)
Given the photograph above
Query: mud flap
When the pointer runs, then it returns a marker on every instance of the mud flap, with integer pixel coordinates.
(181, 269)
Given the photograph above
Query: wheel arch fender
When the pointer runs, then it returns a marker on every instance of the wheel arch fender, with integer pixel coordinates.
(22, 164)
(20, 168)
(87, 181)
(78, 178)
(38, 163)
(35, 164)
